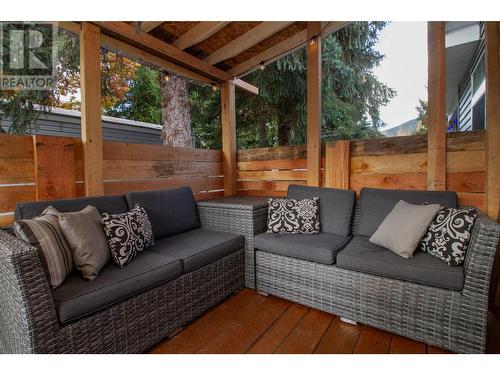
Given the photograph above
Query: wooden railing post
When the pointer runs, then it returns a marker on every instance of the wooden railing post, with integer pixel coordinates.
(54, 159)
(436, 138)
(228, 112)
(337, 165)
(314, 103)
(90, 86)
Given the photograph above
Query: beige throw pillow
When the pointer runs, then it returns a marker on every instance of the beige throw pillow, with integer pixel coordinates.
(404, 227)
(85, 235)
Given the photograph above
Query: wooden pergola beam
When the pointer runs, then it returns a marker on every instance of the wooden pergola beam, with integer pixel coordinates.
(229, 156)
(147, 26)
(249, 39)
(314, 104)
(198, 33)
(90, 86)
(493, 122)
(436, 136)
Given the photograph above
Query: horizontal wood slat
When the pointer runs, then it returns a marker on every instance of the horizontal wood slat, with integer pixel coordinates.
(11, 195)
(415, 163)
(281, 175)
(272, 164)
(196, 184)
(16, 146)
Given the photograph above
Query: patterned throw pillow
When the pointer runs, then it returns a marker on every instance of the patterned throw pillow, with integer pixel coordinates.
(293, 216)
(44, 233)
(448, 235)
(127, 234)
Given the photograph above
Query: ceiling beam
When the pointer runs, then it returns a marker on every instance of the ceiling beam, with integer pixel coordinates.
(249, 39)
(147, 26)
(146, 58)
(285, 47)
(198, 33)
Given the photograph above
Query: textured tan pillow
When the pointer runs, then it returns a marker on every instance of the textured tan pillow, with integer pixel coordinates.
(85, 235)
(404, 227)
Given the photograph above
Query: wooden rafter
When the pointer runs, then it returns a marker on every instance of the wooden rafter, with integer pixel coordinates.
(198, 33)
(245, 41)
(147, 26)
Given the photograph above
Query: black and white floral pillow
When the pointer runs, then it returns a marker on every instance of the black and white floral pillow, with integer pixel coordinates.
(293, 216)
(448, 235)
(127, 234)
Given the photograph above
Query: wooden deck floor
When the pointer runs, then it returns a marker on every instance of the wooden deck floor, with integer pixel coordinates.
(250, 323)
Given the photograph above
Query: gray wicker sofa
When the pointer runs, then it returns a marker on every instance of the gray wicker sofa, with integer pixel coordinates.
(188, 270)
(339, 271)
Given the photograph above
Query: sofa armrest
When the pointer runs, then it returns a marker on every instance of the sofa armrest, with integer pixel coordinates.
(28, 317)
(480, 256)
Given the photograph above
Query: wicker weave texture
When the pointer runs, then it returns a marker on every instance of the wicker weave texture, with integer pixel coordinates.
(240, 220)
(29, 324)
(454, 320)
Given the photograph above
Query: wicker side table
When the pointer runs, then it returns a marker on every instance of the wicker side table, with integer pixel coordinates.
(241, 215)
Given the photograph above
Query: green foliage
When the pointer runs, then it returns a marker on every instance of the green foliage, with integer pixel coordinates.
(422, 117)
(142, 100)
(205, 116)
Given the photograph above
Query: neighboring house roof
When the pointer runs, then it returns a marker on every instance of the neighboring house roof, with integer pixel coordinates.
(406, 128)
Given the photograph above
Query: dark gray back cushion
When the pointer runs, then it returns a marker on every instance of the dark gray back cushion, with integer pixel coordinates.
(113, 204)
(336, 206)
(375, 204)
(171, 211)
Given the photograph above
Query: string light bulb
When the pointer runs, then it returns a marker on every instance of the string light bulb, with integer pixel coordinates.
(262, 66)
(214, 87)
(166, 77)
(312, 42)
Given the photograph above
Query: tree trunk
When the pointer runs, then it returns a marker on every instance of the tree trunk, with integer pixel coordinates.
(262, 134)
(175, 112)
(283, 132)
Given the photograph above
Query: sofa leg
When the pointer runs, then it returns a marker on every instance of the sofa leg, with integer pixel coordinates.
(348, 321)
(263, 293)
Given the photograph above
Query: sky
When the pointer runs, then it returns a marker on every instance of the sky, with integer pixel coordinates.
(404, 69)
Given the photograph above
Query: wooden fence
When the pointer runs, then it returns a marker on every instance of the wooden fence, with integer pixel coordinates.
(44, 167)
(393, 163)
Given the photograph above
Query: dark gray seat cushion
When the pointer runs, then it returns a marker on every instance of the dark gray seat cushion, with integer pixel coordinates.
(375, 204)
(362, 255)
(198, 247)
(336, 206)
(113, 204)
(320, 248)
(171, 211)
(77, 297)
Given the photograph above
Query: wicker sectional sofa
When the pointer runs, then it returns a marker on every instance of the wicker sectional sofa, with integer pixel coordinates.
(339, 271)
(188, 270)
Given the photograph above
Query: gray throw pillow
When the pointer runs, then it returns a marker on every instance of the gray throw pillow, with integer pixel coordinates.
(85, 235)
(404, 227)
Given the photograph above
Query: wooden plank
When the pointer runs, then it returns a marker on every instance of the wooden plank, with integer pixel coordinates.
(404, 345)
(198, 33)
(435, 350)
(307, 334)
(13, 171)
(197, 184)
(493, 122)
(6, 220)
(11, 195)
(279, 331)
(270, 55)
(16, 146)
(466, 161)
(239, 334)
(273, 153)
(207, 195)
(131, 151)
(340, 338)
(466, 141)
(313, 50)
(267, 185)
(283, 175)
(54, 167)
(436, 137)
(473, 182)
(414, 163)
(209, 324)
(143, 169)
(90, 84)
(147, 26)
(245, 86)
(228, 115)
(411, 144)
(272, 164)
(249, 39)
(337, 165)
(472, 199)
(406, 181)
(332, 26)
(373, 341)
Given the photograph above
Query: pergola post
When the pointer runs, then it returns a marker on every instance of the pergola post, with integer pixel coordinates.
(314, 104)
(436, 136)
(90, 86)
(493, 120)
(228, 112)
